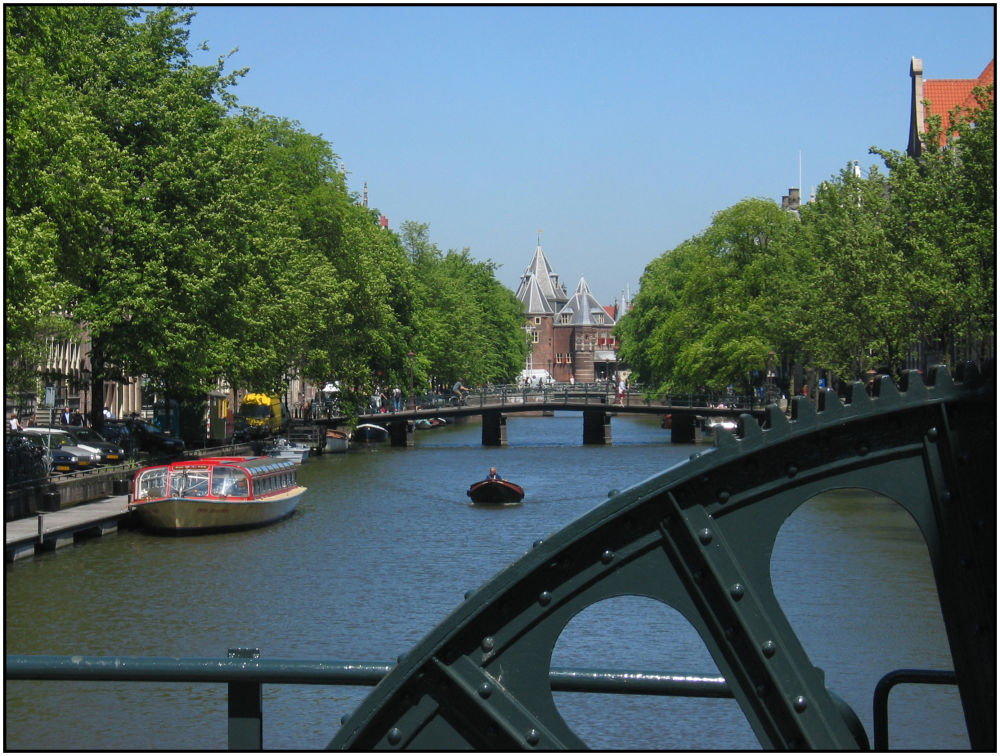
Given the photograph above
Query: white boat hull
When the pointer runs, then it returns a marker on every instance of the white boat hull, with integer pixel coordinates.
(210, 514)
(337, 444)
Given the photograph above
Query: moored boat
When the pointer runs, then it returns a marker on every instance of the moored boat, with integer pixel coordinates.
(495, 490)
(216, 493)
(285, 449)
(370, 433)
(337, 441)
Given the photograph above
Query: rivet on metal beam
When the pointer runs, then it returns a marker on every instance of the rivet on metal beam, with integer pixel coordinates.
(723, 497)
(705, 536)
(800, 703)
(485, 690)
(769, 648)
(394, 736)
(736, 590)
(544, 598)
(533, 736)
(487, 644)
(932, 434)
(607, 556)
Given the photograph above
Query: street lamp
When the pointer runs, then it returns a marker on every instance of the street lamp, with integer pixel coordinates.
(413, 399)
(85, 384)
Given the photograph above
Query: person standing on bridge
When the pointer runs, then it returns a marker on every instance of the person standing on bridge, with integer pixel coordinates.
(622, 387)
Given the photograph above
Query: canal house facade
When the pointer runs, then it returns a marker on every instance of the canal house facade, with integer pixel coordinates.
(569, 334)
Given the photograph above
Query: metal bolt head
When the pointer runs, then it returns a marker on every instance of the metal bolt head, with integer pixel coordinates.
(485, 690)
(932, 434)
(705, 536)
(607, 556)
(487, 644)
(736, 590)
(533, 736)
(394, 736)
(800, 703)
(769, 648)
(544, 598)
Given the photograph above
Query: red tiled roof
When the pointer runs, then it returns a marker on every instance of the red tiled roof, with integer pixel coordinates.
(947, 94)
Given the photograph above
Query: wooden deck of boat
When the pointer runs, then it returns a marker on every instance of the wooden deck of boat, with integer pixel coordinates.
(47, 531)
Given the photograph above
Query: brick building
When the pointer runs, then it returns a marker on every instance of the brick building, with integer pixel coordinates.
(570, 335)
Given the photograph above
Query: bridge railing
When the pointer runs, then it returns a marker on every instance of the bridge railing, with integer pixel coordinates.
(245, 674)
(602, 393)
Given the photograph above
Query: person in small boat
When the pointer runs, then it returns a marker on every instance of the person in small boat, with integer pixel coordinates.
(493, 474)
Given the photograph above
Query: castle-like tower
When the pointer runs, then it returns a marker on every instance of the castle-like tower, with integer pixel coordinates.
(570, 336)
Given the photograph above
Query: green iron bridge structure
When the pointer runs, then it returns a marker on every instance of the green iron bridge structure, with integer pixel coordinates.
(697, 537)
(597, 406)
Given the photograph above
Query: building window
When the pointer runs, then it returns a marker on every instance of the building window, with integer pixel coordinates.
(538, 321)
(564, 319)
(534, 337)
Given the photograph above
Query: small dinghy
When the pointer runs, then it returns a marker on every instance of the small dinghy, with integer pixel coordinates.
(495, 490)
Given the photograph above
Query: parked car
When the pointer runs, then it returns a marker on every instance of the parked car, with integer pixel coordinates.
(133, 434)
(56, 439)
(88, 438)
(23, 460)
(58, 458)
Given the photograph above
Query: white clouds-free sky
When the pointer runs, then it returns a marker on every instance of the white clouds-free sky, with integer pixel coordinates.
(617, 130)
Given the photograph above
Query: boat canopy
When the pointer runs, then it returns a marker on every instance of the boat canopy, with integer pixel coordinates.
(220, 477)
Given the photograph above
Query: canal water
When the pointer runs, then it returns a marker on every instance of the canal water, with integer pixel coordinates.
(384, 545)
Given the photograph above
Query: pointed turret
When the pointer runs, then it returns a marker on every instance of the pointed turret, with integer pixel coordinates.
(583, 309)
(548, 282)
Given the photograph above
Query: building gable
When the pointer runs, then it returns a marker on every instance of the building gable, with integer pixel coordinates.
(942, 96)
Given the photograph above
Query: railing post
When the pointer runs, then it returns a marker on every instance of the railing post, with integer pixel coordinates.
(246, 718)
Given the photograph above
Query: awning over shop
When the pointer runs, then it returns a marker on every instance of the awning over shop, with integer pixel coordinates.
(604, 355)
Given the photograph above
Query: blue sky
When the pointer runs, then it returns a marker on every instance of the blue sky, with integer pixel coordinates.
(617, 130)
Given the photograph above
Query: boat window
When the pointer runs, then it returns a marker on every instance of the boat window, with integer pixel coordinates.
(229, 482)
(189, 483)
(151, 484)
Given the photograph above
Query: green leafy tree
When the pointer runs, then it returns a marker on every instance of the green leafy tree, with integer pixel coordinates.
(944, 224)
(709, 311)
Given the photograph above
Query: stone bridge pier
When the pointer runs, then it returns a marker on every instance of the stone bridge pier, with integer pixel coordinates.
(494, 429)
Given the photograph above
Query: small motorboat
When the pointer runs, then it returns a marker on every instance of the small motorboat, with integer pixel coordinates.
(285, 449)
(369, 433)
(495, 490)
(337, 441)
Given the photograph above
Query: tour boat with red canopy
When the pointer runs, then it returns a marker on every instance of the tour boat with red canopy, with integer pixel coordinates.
(216, 493)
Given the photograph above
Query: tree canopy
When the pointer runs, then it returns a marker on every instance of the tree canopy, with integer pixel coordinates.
(194, 239)
(875, 267)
